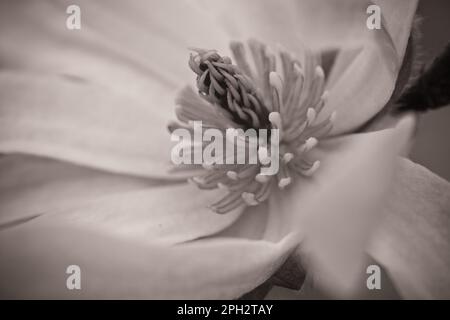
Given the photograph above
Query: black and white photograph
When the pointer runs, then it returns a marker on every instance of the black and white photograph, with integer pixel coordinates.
(232, 150)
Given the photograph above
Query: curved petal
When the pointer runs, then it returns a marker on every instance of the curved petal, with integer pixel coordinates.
(337, 207)
(35, 259)
(127, 46)
(166, 214)
(83, 123)
(413, 241)
(121, 71)
(32, 186)
(318, 24)
(362, 88)
(369, 61)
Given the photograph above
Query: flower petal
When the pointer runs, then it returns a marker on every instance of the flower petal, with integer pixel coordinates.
(366, 79)
(165, 214)
(122, 71)
(32, 186)
(83, 123)
(338, 206)
(129, 46)
(318, 24)
(34, 265)
(413, 242)
(365, 86)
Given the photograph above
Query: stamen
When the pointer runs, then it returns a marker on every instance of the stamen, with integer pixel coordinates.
(308, 145)
(255, 93)
(249, 198)
(232, 175)
(275, 120)
(311, 170)
(287, 157)
(262, 178)
(311, 115)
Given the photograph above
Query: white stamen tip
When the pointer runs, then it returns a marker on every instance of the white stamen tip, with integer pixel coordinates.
(275, 119)
(313, 169)
(208, 166)
(221, 186)
(311, 143)
(319, 72)
(232, 175)
(276, 81)
(311, 115)
(287, 157)
(261, 178)
(249, 198)
(283, 183)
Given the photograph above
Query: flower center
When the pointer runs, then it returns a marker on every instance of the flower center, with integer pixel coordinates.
(268, 91)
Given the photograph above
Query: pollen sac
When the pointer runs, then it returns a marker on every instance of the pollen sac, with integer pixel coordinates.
(260, 90)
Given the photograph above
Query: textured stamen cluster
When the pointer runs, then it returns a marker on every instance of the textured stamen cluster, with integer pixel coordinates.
(221, 82)
(266, 91)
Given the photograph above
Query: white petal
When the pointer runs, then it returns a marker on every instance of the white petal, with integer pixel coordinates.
(31, 186)
(125, 65)
(365, 80)
(337, 208)
(36, 258)
(129, 46)
(165, 214)
(362, 89)
(413, 242)
(82, 122)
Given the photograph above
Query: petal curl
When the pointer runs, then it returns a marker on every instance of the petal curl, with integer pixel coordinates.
(338, 207)
(165, 214)
(361, 88)
(413, 241)
(32, 186)
(36, 257)
(369, 60)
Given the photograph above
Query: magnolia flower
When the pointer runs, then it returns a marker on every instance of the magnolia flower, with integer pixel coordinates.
(84, 118)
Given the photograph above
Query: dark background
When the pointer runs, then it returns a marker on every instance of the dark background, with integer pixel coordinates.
(432, 148)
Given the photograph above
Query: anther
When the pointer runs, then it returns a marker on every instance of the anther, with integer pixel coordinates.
(311, 115)
(249, 198)
(311, 170)
(232, 175)
(287, 157)
(262, 178)
(284, 182)
(309, 144)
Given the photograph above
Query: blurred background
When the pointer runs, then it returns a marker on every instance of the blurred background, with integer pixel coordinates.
(432, 147)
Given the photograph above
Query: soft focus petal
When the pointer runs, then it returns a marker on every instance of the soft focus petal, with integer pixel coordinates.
(362, 89)
(125, 65)
(31, 186)
(318, 24)
(165, 214)
(338, 207)
(371, 59)
(413, 242)
(82, 122)
(130, 46)
(35, 258)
